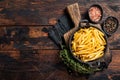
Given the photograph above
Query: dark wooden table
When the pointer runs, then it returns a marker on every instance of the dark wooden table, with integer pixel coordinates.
(26, 52)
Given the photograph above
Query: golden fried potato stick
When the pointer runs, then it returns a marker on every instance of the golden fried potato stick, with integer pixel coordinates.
(88, 44)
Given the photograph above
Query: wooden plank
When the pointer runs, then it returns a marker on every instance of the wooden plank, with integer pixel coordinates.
(37, 12)
(51, 57)
(31, 60)
(48, 66)
(33, 37)
(25, 38)
(114, 40)
(113, 71)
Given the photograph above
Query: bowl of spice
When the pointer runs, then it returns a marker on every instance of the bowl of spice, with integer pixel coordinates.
(95, 13)
(110, 25)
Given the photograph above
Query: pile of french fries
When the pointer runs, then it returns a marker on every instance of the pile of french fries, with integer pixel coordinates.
(88, 44)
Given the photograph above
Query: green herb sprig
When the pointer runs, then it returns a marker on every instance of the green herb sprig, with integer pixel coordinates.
(75, 65)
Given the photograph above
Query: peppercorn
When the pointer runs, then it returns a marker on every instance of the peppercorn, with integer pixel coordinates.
(110, 25)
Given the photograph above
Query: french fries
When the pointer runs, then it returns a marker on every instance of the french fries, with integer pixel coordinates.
(88, 44)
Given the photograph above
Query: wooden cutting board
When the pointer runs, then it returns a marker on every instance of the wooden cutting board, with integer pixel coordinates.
(74, 13)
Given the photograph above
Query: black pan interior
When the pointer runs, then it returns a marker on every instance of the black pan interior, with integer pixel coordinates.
(71, 38)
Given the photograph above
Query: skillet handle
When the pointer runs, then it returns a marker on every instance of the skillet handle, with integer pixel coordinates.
(100, 64)
(94, 65)
(83, 23)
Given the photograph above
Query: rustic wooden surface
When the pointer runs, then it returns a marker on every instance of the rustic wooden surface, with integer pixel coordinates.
(26, 52)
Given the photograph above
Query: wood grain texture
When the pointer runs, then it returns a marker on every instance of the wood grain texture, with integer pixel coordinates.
(37, 12)
(26, 51)
(25, 38)
(74, 13)
(34, 37)
(48, 66)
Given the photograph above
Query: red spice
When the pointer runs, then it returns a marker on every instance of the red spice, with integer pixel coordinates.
(95, 14)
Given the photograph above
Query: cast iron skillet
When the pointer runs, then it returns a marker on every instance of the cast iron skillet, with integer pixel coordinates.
(95, 63)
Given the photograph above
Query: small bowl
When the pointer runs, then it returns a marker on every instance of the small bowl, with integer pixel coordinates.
(110, 25)
(95, 13)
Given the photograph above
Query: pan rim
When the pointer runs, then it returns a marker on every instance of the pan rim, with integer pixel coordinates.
(105, 50)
